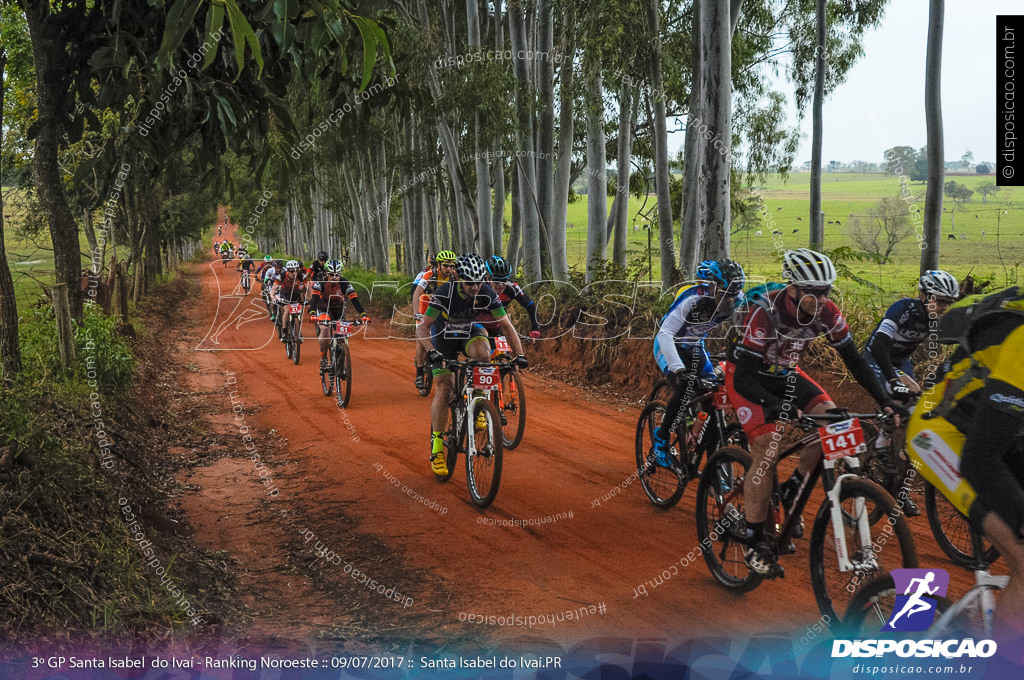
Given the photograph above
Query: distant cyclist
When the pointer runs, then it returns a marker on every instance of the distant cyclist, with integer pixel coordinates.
(764, 381)
(428, 283)
(245, 262)
(318, 271)
(450, 328)
(679, 344)
(328, 301)
(499, 277)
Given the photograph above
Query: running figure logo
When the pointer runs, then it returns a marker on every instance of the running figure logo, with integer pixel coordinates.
(915, 608)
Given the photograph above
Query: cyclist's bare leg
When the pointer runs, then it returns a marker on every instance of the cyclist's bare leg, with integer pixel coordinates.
(757, 491)
(421, 355)
(478, 349)
(810, 454)
(1010, 605)
(324, 334)
(443, 387)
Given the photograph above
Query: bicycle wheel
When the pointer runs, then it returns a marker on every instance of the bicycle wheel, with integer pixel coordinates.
(889, 545)
(662, 391)
(289, 343)
(245, 283)
(483, 453)
(327, 379)
(952, 530)
(510, 402)
(871, 608)
(293, 331)
(342, 375)
(664, 486)
(721, 519)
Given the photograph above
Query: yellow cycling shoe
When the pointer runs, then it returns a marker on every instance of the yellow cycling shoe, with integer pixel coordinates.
(481, 421)
(438, 464)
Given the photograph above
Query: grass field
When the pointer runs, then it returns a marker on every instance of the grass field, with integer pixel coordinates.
(999, 253)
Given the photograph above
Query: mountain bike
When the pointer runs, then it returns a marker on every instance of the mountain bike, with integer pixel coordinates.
(510, 400)
(952, 530)
(872, 605)
(702, 427)
(290, 319)
(846, 547)
(268, 300)
(482, 446)
(245, 280)
(337, 376)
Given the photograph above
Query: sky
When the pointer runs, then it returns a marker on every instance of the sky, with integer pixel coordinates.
(881, 104)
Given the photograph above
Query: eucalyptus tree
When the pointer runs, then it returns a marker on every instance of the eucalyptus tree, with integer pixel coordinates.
(933, 122)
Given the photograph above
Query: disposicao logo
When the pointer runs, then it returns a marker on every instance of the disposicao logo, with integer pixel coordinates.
(915, 608)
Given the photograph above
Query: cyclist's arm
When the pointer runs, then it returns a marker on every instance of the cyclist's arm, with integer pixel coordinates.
(424, 329)
(419, 296)
(746, 382)
(528, 304)
(862, 373)
(350, 293)
(666, 338)
(985, 462)
(881, 349)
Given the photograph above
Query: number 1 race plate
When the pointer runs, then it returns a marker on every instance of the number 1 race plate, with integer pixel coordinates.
(486, 378)
(842, 439)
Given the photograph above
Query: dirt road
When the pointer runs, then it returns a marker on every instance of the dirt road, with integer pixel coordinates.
(367, 462)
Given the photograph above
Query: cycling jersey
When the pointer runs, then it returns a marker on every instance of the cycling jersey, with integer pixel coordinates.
(247, 263)
(512, 291)
(317, 271)
(901, 330)
(692, 316)
(331, 296)
(779, 341)
(291, 284)
(455, 314)
(430, 282)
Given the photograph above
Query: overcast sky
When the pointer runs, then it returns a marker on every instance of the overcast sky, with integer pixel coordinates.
(887, 86)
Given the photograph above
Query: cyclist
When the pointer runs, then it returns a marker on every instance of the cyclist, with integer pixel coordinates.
(317, 271)
(765, 383)
(245, 262)
(226, 248)
(449, 328)
(987, 416)
(679, 345)
(431, 268)
(268, 274)
(904, 326)
(289, 286)
(428, 283)
(328, 301)
(499, 274)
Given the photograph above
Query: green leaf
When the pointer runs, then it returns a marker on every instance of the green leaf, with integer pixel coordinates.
(214, 21)
(179, 20)
(382, 41)
(369, 49)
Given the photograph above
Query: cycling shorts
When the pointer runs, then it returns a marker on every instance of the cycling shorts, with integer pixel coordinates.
(693, 355)
(450, 345)
(794, 387)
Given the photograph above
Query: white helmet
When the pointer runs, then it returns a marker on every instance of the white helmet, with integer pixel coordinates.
(808, 267)
(938, 282)
(291, 264)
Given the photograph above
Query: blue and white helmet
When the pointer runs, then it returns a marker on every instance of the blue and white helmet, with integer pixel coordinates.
(938, 282)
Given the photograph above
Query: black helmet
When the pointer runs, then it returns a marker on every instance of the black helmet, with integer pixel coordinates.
(732, 273)
(322, 256)
(499, 268)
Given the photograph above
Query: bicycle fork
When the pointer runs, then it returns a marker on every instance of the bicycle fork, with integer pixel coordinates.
(838, 523)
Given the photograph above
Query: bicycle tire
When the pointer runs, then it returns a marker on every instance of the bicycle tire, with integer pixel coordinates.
(289, 345)
(428, 380)
(483, 454)
(952, 530)
(831, 587)
(871, 608)
(510, 403)
(245, 284)
(296, 340)
(663, 486)
(343, 376)
(662, 391)
(327, 381)
(721, 519)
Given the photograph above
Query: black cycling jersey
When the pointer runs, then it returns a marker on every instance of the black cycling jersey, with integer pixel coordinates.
(453, 311)
(905, 324)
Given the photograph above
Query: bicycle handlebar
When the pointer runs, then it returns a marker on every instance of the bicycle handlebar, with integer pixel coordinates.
(811, 421)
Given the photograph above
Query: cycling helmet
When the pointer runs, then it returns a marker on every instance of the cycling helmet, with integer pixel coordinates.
(708, 270)
(292, 264)
(322, 256)
(471, 268)
(333, 266)
(446, 257)
(938, 282)
(733, 277)
(268, 259)
(499, 268)
(806, 267)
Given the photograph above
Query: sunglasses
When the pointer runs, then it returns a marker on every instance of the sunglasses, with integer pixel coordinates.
(472, 284)
(816, 291)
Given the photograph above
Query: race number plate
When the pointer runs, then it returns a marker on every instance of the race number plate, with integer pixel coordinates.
(842, 439)
(344, 328)
(295, 308)
(486, 378)
(501, 344)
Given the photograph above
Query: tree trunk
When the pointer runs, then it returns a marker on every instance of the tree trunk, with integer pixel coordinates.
(48, 47)
(718, 109)
(546, 134)
(661, 169)
(485, 237)
(693, 195)
(821, 63)
(560, 196)
(936, 152)
(597, 183)
(619, 215)
(528, 214)
(10, 346)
